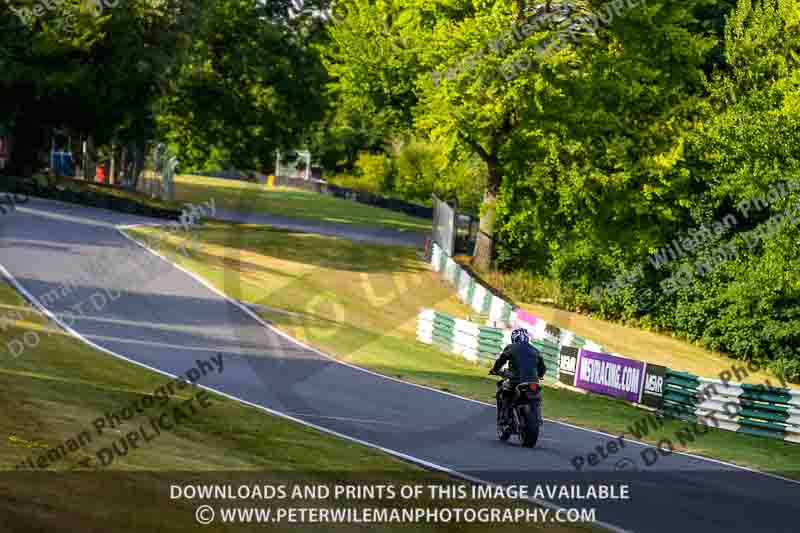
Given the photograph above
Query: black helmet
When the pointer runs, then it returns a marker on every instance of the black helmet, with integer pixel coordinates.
(519, 336)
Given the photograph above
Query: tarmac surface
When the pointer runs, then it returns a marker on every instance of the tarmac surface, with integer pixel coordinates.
(158, 315)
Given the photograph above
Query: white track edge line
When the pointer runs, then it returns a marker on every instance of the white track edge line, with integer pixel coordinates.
(255, 316)
(410, 458)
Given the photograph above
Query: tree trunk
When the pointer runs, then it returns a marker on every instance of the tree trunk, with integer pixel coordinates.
(91, 158)
(123, 165)
(139, 157)
(484, 244)
(113, 164)
(77, 154)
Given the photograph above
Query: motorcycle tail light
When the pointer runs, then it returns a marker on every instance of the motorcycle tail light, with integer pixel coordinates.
(534, 386)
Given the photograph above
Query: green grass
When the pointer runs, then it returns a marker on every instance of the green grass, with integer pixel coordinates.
(359, 303)
(253, 197)
(54, 391)
(250, 197)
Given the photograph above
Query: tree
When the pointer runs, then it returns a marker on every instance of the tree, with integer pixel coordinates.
(250, 86)
(593, 182)
(99, 77)
(487, 94)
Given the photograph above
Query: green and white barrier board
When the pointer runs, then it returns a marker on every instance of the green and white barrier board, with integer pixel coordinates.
(479, 344)
(753, 409)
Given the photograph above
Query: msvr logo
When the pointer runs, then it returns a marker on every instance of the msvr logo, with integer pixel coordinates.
(568, 363)
(654, 384)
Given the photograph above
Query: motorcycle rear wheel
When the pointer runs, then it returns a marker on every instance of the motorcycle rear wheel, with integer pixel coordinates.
(528, 426)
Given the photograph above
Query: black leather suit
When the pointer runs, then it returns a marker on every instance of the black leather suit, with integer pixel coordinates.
(523, 360)
(525, 364)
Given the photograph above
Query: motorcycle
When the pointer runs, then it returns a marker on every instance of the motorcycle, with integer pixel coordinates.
(525, 418)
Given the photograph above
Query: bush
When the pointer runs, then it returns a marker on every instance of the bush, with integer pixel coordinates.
(788, 369)
(376, 171)
(416, 171)
(423, 170)
(525, 286)
(350, 181)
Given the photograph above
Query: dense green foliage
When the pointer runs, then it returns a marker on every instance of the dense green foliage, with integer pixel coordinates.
(224, 82)
(599, 154)
(589, 138)
(248, 87)
(743, 142)
(415, 170)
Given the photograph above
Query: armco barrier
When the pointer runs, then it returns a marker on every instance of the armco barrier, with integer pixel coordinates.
(465, 340)
(476, 343)
(490, 342)
(62, 193)
(323, 187)
(425, 326)
(551, 355)
(444, 331)
(470, 290)
(753, 409)
(769, 412)
(544, 331)
(499, 312)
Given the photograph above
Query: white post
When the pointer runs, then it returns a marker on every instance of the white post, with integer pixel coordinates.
(308, 166)
(277, 161)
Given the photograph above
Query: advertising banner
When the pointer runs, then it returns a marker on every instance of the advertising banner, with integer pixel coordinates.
(653, 385)
(568, 365)
(610, 375)
(525, 320)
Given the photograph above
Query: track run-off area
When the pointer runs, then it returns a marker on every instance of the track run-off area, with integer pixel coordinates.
(172, 319)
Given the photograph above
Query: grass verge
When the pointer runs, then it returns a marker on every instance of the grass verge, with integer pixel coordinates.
(57, 389)
(359, 303)
(252, 197)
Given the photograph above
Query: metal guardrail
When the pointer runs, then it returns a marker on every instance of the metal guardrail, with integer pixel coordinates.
(75, 193)
(753, 409)
(470, 291)
(385, 202)
(477, 343)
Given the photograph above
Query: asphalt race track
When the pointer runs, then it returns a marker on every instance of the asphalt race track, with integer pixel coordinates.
(353, 232)
(167, 319)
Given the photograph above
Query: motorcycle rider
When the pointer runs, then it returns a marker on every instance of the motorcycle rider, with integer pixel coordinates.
(525, 364)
